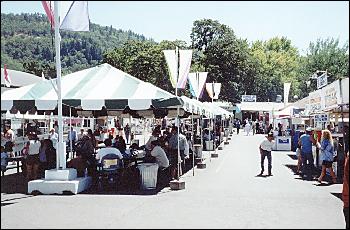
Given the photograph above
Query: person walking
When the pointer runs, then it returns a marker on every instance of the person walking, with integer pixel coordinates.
(265, 151)
(247, 128)
(306, 141)
(238, 125)
(127, 132)
(254, 127)
(345, 192)
(327, 155)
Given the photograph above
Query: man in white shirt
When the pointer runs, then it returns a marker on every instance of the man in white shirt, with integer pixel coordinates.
(265, 151)
(53, 136)
(159, 154)
(108, 150)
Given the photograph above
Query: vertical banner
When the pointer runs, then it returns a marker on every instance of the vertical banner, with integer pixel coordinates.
(286, 87)
(209, 88)
(171, 60)
(192, 80)
(217, 89)
(185, 64)
(213, 90)
(197, 81)
(202, 78)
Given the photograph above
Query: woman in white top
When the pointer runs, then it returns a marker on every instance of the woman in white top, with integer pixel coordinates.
(32, 162)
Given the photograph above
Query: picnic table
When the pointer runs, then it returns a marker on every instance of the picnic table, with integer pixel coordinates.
(17, 159)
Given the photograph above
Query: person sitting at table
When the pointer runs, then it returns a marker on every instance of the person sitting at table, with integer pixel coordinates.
(50, 154)
(81, 134)
(79, 164)
(121, 145)
(108, 150)
(115, 141)
(153, 137)
(159, 154)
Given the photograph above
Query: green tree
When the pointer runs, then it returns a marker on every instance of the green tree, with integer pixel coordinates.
(323, 55)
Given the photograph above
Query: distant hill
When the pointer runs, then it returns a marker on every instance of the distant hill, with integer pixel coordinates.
(28, 45)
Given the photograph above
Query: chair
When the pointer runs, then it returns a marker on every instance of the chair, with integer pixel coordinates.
(108, 170)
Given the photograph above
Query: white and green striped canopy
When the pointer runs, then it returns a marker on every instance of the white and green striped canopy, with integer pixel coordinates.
(92, 89)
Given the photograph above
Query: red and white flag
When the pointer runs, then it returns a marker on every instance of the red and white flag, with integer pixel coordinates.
(7, 77)
(74, 15)
(48, 7)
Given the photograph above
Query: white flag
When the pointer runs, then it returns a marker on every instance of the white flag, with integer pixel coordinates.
(286, 87)
(74, 15)
(213, 90)
(197, 83)
(185, 65)
(171, 60)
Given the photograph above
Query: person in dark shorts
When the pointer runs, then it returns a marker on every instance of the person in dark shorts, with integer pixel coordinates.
(327, 155)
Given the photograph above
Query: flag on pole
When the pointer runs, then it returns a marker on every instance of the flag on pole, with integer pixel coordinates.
(197, 83)
(213, 90)
(170, 57)
(185, 64)
(48, 7)
(286, 87)
(7, 77)
(74, 15)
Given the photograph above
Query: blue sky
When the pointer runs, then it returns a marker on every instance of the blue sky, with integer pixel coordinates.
(300, 21)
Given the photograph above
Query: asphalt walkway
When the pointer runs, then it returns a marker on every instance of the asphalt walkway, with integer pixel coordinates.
(226, 194)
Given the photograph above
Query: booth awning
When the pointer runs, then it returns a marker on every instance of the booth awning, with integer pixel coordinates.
(92, 89)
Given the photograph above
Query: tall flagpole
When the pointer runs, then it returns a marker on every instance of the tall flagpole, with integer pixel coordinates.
(60, 158)
(178, 115)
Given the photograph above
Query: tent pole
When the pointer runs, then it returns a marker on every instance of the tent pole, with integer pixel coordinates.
(70, 139)
(192, 143)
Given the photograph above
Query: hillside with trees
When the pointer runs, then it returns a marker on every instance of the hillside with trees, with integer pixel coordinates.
(27, 44)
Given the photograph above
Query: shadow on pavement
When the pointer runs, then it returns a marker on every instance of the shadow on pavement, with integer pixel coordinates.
(14, 183)
(5, 204)
(263, 176)
(337, 194)
(129, 185)
(294, 157)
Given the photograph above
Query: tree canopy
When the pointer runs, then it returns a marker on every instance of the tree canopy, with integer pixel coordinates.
(258, 68)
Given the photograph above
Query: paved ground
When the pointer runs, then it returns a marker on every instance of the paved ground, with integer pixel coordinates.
(227, 194)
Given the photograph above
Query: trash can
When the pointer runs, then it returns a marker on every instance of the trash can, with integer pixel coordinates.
(148, 174)
(197, 149)
(209, 145)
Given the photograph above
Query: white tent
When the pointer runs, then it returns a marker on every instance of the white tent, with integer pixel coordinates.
(92, 89)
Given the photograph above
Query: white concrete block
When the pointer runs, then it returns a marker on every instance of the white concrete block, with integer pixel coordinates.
(58, 186)
(61, 174)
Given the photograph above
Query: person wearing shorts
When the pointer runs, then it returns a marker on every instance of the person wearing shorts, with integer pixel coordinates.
(327, 155)
(33, 161)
